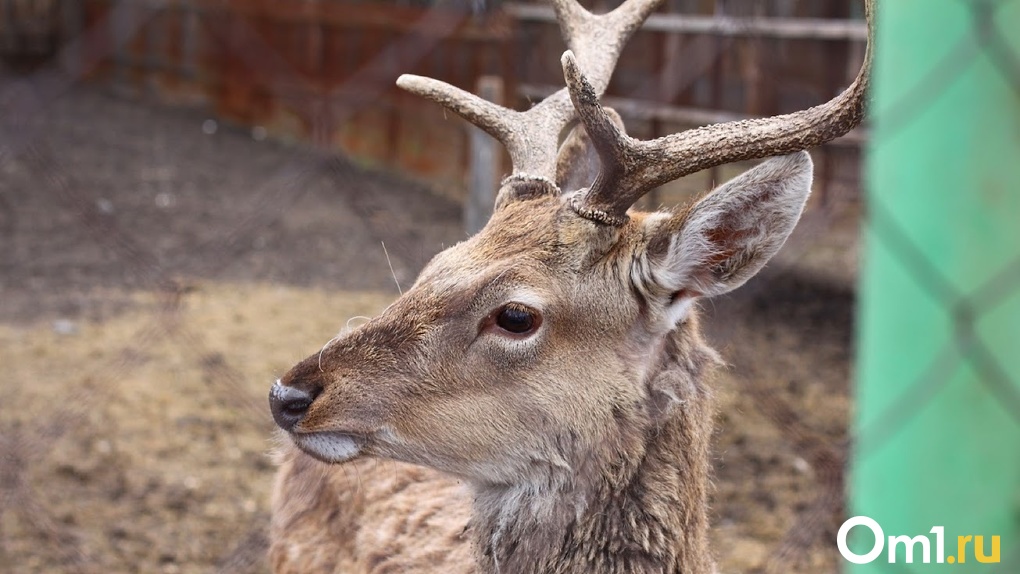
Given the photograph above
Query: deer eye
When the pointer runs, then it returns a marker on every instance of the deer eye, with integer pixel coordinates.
(518, 319)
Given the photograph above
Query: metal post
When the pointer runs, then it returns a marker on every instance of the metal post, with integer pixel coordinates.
(938, 396)
(72, 28)
(485, 163)
(190, 32)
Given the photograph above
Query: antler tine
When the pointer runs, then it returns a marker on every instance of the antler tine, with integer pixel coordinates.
(532, 137)
(618, 152)
(632, 167)
(597, 40)
(494, 119)
(526, 135)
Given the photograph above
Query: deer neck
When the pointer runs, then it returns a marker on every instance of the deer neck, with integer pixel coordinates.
(638, 504)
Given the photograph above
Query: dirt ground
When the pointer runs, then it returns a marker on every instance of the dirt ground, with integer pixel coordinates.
(156, 274)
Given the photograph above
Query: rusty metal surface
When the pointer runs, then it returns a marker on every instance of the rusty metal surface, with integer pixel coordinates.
(324, 71)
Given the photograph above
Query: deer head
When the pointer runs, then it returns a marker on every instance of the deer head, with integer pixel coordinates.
(549, 346)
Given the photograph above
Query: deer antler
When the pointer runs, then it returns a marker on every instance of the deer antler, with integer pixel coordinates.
(631, 167)
(531, 137)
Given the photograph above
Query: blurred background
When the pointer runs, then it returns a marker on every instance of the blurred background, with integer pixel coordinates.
(197, 194)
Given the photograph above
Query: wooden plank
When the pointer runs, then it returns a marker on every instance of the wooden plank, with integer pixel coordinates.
(790, 28)
(385, 16)
(644, 110)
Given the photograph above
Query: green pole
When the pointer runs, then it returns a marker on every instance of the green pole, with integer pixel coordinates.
(937, 425)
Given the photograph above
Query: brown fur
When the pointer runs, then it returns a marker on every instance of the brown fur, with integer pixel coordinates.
(645, 501)
(580, 445)
(367, 516)
(580, 448)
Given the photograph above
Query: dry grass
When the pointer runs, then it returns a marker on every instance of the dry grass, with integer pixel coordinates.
(146, 436)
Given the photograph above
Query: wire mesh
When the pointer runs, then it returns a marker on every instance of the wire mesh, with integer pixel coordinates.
(65, 148)
(959, 305)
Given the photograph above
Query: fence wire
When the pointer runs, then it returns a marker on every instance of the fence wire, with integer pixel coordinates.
(63, 185)
(963, 309)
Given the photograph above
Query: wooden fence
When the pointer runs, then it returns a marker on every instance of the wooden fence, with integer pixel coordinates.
(324, 70)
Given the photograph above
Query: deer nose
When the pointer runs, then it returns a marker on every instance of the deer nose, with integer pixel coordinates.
(290, 404)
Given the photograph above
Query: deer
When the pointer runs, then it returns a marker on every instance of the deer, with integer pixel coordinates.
(540, 399)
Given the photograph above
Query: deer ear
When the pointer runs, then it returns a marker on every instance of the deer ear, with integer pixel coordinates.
(729, 235)
(577, 162)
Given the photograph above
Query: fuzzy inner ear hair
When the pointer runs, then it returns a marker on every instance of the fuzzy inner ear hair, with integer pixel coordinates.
(729, 235)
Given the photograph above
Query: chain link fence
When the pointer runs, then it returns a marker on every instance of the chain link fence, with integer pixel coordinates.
(160, 266)
(932, 403)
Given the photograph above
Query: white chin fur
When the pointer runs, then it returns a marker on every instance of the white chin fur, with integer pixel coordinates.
(328, 446)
